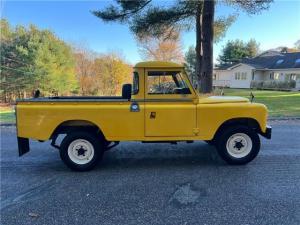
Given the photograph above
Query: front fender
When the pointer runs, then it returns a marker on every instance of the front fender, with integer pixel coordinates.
(210, 117)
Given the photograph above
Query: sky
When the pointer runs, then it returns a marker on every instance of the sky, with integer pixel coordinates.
(73, 22)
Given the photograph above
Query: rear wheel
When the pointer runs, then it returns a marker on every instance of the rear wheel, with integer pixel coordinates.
(81, 151)
(238, 145)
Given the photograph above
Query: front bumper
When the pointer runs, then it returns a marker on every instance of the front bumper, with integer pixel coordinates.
(268, 133)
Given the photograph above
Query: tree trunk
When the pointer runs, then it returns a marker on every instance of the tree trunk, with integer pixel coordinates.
(198, 45)
(207, 45)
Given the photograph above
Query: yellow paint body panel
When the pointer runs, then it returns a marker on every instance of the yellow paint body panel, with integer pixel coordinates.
(212, 116)
(177, 116)
(39, 120)
(157, 64)
(171, 120)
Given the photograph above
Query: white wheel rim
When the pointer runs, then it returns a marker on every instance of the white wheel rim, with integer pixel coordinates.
(239, 145)
(81, 151)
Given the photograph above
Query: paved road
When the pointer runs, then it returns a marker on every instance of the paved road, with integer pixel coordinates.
(154, 184)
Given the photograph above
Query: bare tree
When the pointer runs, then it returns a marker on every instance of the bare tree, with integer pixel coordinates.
(85, 70)
(167, 47)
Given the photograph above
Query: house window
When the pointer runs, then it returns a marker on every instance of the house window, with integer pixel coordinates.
(214, 76)
(274, 76)
(295, 76)
(240, 76)
(244, 76)
(297, 61)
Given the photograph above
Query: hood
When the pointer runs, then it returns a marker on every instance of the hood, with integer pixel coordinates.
(222, 99)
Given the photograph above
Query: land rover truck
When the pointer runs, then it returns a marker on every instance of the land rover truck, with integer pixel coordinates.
(160, 105)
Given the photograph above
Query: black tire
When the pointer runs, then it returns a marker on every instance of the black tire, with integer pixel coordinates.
(88, 137)
(235, 153)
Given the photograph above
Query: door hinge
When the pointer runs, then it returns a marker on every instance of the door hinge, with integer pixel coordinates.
(196, 131)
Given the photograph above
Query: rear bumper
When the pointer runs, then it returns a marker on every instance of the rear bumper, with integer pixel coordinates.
(23, 145)
(268, 133)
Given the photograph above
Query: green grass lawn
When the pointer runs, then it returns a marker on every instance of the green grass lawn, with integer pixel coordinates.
(279, 103)
(7, 115)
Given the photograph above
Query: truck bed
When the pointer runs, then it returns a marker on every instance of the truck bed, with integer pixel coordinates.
(73, 98)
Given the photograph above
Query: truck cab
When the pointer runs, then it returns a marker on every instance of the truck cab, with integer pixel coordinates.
(167, 97)
(160, 105)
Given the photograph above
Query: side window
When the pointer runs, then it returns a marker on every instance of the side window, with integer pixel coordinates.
(166, 82)
(135, 83)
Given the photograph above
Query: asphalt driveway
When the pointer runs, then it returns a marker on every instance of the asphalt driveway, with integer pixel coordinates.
(154, 184)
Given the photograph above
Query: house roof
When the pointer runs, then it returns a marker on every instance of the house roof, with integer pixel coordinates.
(157, 64)
(269, 60)
(225, 66)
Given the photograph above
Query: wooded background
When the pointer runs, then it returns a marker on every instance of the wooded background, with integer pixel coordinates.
(34, 59)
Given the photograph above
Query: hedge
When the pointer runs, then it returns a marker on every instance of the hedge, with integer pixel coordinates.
(273, 84)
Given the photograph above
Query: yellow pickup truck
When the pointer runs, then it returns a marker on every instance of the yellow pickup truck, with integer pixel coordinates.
(159, 106)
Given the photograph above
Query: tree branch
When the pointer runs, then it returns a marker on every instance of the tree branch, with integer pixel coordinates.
(112, 13)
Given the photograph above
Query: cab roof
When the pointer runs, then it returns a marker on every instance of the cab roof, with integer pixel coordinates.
(157, 64)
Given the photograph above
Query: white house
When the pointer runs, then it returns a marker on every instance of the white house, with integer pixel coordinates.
(270, 65)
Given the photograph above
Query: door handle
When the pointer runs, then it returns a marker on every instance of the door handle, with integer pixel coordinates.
(152, 115)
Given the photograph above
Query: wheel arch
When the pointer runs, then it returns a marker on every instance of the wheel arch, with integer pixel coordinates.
(246, 121)
(76, 125)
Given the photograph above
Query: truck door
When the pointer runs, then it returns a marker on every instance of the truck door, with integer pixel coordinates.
(170, 109)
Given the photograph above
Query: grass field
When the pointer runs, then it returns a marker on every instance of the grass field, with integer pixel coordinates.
(279, 103)
(7, 114)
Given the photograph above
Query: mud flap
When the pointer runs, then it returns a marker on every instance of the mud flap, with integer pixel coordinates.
(23, 145)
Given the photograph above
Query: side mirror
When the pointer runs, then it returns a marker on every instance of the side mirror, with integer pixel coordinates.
(126, 91)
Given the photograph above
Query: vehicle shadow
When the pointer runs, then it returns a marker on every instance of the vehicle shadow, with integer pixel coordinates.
(138, 155)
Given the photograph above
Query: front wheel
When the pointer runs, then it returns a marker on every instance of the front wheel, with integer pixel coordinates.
(238, 145)
(81, 151)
